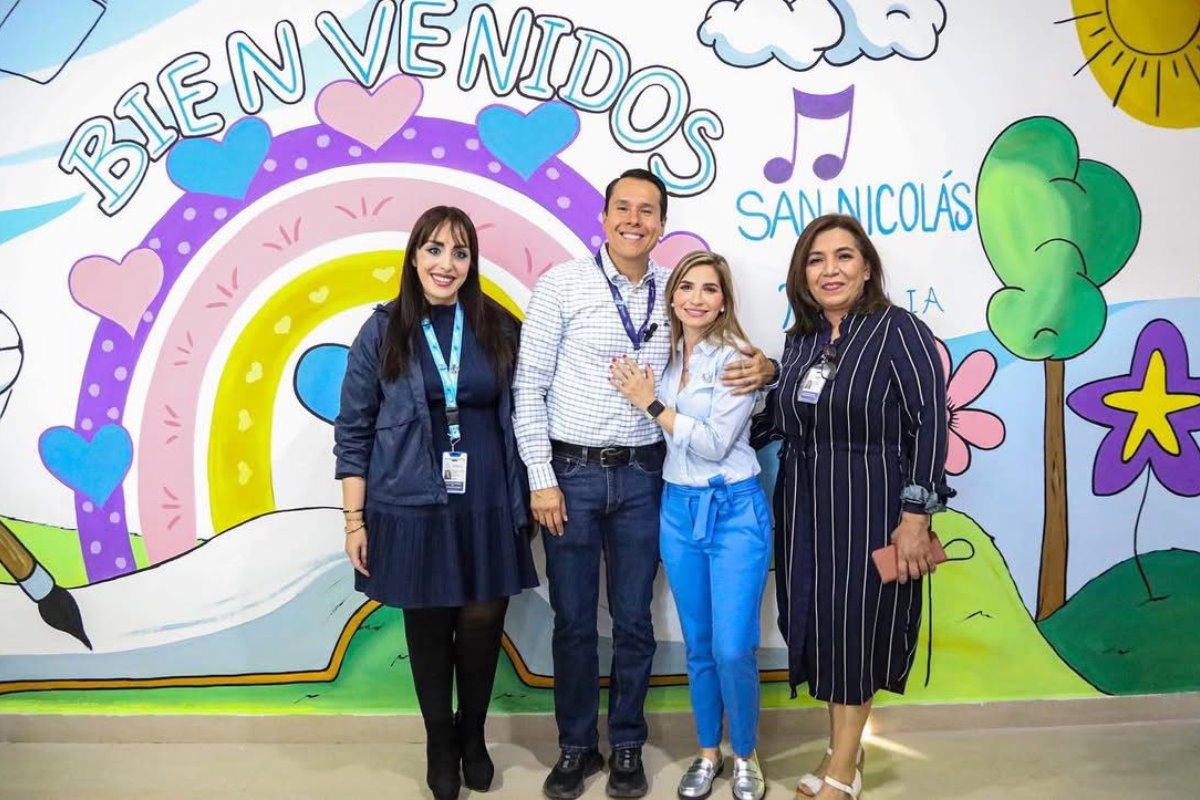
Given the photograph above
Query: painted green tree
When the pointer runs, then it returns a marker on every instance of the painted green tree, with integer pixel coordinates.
(1055, 228)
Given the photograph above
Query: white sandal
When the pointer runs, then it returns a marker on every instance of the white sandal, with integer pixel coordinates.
(852, 791)
(812, 783)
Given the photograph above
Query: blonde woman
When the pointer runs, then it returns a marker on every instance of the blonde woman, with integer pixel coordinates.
(715, 530)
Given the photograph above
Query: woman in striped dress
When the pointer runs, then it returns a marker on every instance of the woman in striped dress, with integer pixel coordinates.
(860, 408)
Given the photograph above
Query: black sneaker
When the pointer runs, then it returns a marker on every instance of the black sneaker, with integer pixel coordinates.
(626, 776)
(565, 781)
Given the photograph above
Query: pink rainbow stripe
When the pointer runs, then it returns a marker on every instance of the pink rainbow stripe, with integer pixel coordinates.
(195, 218)
(280, 235)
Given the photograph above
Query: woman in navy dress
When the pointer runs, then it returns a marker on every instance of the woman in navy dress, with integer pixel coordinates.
(860, 407)
(433, 489)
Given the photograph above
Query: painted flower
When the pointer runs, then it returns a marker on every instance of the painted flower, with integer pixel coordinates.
(1152, 413)
(969, 427)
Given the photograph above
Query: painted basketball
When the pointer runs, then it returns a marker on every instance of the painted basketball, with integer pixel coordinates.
(11, 353)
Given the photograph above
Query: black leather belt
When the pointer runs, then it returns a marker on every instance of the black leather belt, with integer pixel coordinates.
(607, 456)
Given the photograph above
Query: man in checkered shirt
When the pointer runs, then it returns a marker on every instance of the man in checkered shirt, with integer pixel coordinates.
(595, 471)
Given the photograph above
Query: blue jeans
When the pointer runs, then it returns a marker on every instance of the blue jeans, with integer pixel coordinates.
(716, 549)
(614, 511)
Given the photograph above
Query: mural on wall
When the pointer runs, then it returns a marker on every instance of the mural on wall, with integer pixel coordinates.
(12, 358)
(36, 45)
(191, 261)
(1144, 56)
(1119, 629)
(1056, 228)
(799, 35)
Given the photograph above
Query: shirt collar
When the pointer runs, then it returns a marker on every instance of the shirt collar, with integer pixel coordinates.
(849, 322)
(613, 274)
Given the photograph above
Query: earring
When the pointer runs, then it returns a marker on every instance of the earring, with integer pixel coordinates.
(722, 311)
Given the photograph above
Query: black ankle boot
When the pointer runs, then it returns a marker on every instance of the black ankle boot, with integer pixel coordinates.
(477, 767)
(441, 759)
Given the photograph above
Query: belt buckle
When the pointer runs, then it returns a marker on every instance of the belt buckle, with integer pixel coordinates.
(609, 456)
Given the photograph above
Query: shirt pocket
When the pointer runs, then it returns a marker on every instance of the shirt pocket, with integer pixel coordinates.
(400, 454)
(589, 331)
(391, 417)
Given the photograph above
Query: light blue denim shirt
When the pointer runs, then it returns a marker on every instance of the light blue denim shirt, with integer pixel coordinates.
(712, 425)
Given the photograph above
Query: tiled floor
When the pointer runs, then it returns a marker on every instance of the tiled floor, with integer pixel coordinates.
(1144, 761)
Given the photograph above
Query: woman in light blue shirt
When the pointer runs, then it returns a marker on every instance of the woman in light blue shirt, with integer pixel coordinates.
(715, 528)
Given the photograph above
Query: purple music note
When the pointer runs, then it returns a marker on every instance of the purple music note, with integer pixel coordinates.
(827, 166)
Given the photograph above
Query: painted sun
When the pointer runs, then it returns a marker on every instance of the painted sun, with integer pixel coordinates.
(1145, 55)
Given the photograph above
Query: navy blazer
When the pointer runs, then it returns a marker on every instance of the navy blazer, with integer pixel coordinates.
(383, 431)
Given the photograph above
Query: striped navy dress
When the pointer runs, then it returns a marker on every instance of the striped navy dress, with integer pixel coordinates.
(879, 425)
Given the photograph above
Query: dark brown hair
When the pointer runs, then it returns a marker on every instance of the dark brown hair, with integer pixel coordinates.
(488, 320)
(806, 311)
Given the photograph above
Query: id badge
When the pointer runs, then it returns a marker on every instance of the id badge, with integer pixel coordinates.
(813, 383)
(454, 472)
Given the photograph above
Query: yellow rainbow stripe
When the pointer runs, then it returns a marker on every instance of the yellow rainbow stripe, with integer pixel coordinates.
(239, 449)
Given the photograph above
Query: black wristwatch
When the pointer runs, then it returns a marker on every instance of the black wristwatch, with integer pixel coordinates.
(654, 409)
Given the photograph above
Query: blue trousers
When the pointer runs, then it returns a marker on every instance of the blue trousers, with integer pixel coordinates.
(716, 548)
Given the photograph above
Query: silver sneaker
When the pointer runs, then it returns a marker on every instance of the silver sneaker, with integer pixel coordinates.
(748, 782)
(697, 782)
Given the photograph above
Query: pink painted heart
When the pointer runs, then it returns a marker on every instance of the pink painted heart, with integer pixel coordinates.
(671, 249)
(371, 117)
(118, 291)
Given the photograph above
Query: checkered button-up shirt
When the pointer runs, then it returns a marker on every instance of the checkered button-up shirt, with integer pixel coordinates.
(572, 331)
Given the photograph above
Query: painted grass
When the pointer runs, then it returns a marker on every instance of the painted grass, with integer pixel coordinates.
(57, 549)
(986, 648)
(1127, 641)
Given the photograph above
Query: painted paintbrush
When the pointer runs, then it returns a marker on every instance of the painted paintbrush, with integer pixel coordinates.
(56, 605)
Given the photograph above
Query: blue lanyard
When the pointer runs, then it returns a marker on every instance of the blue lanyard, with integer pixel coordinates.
(448, 374)
(636, 337)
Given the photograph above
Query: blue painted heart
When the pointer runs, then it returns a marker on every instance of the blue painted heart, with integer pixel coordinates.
(223, 168)
(524, 142)
(318, 380)
(93, 468)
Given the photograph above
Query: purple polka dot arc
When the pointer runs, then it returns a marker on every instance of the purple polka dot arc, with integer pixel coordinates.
(195, 218)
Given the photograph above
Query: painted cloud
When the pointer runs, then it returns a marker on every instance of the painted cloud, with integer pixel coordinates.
(800, 33)
(752, 32)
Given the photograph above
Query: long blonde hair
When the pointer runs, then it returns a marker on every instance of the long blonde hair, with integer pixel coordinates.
(725, 329)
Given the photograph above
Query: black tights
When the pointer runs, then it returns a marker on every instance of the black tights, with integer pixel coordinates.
(445, 644)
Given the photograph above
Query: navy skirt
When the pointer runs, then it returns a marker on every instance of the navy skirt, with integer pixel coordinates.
(437, 556)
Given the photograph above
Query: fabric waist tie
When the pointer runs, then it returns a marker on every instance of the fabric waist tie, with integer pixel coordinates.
(710, 500)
